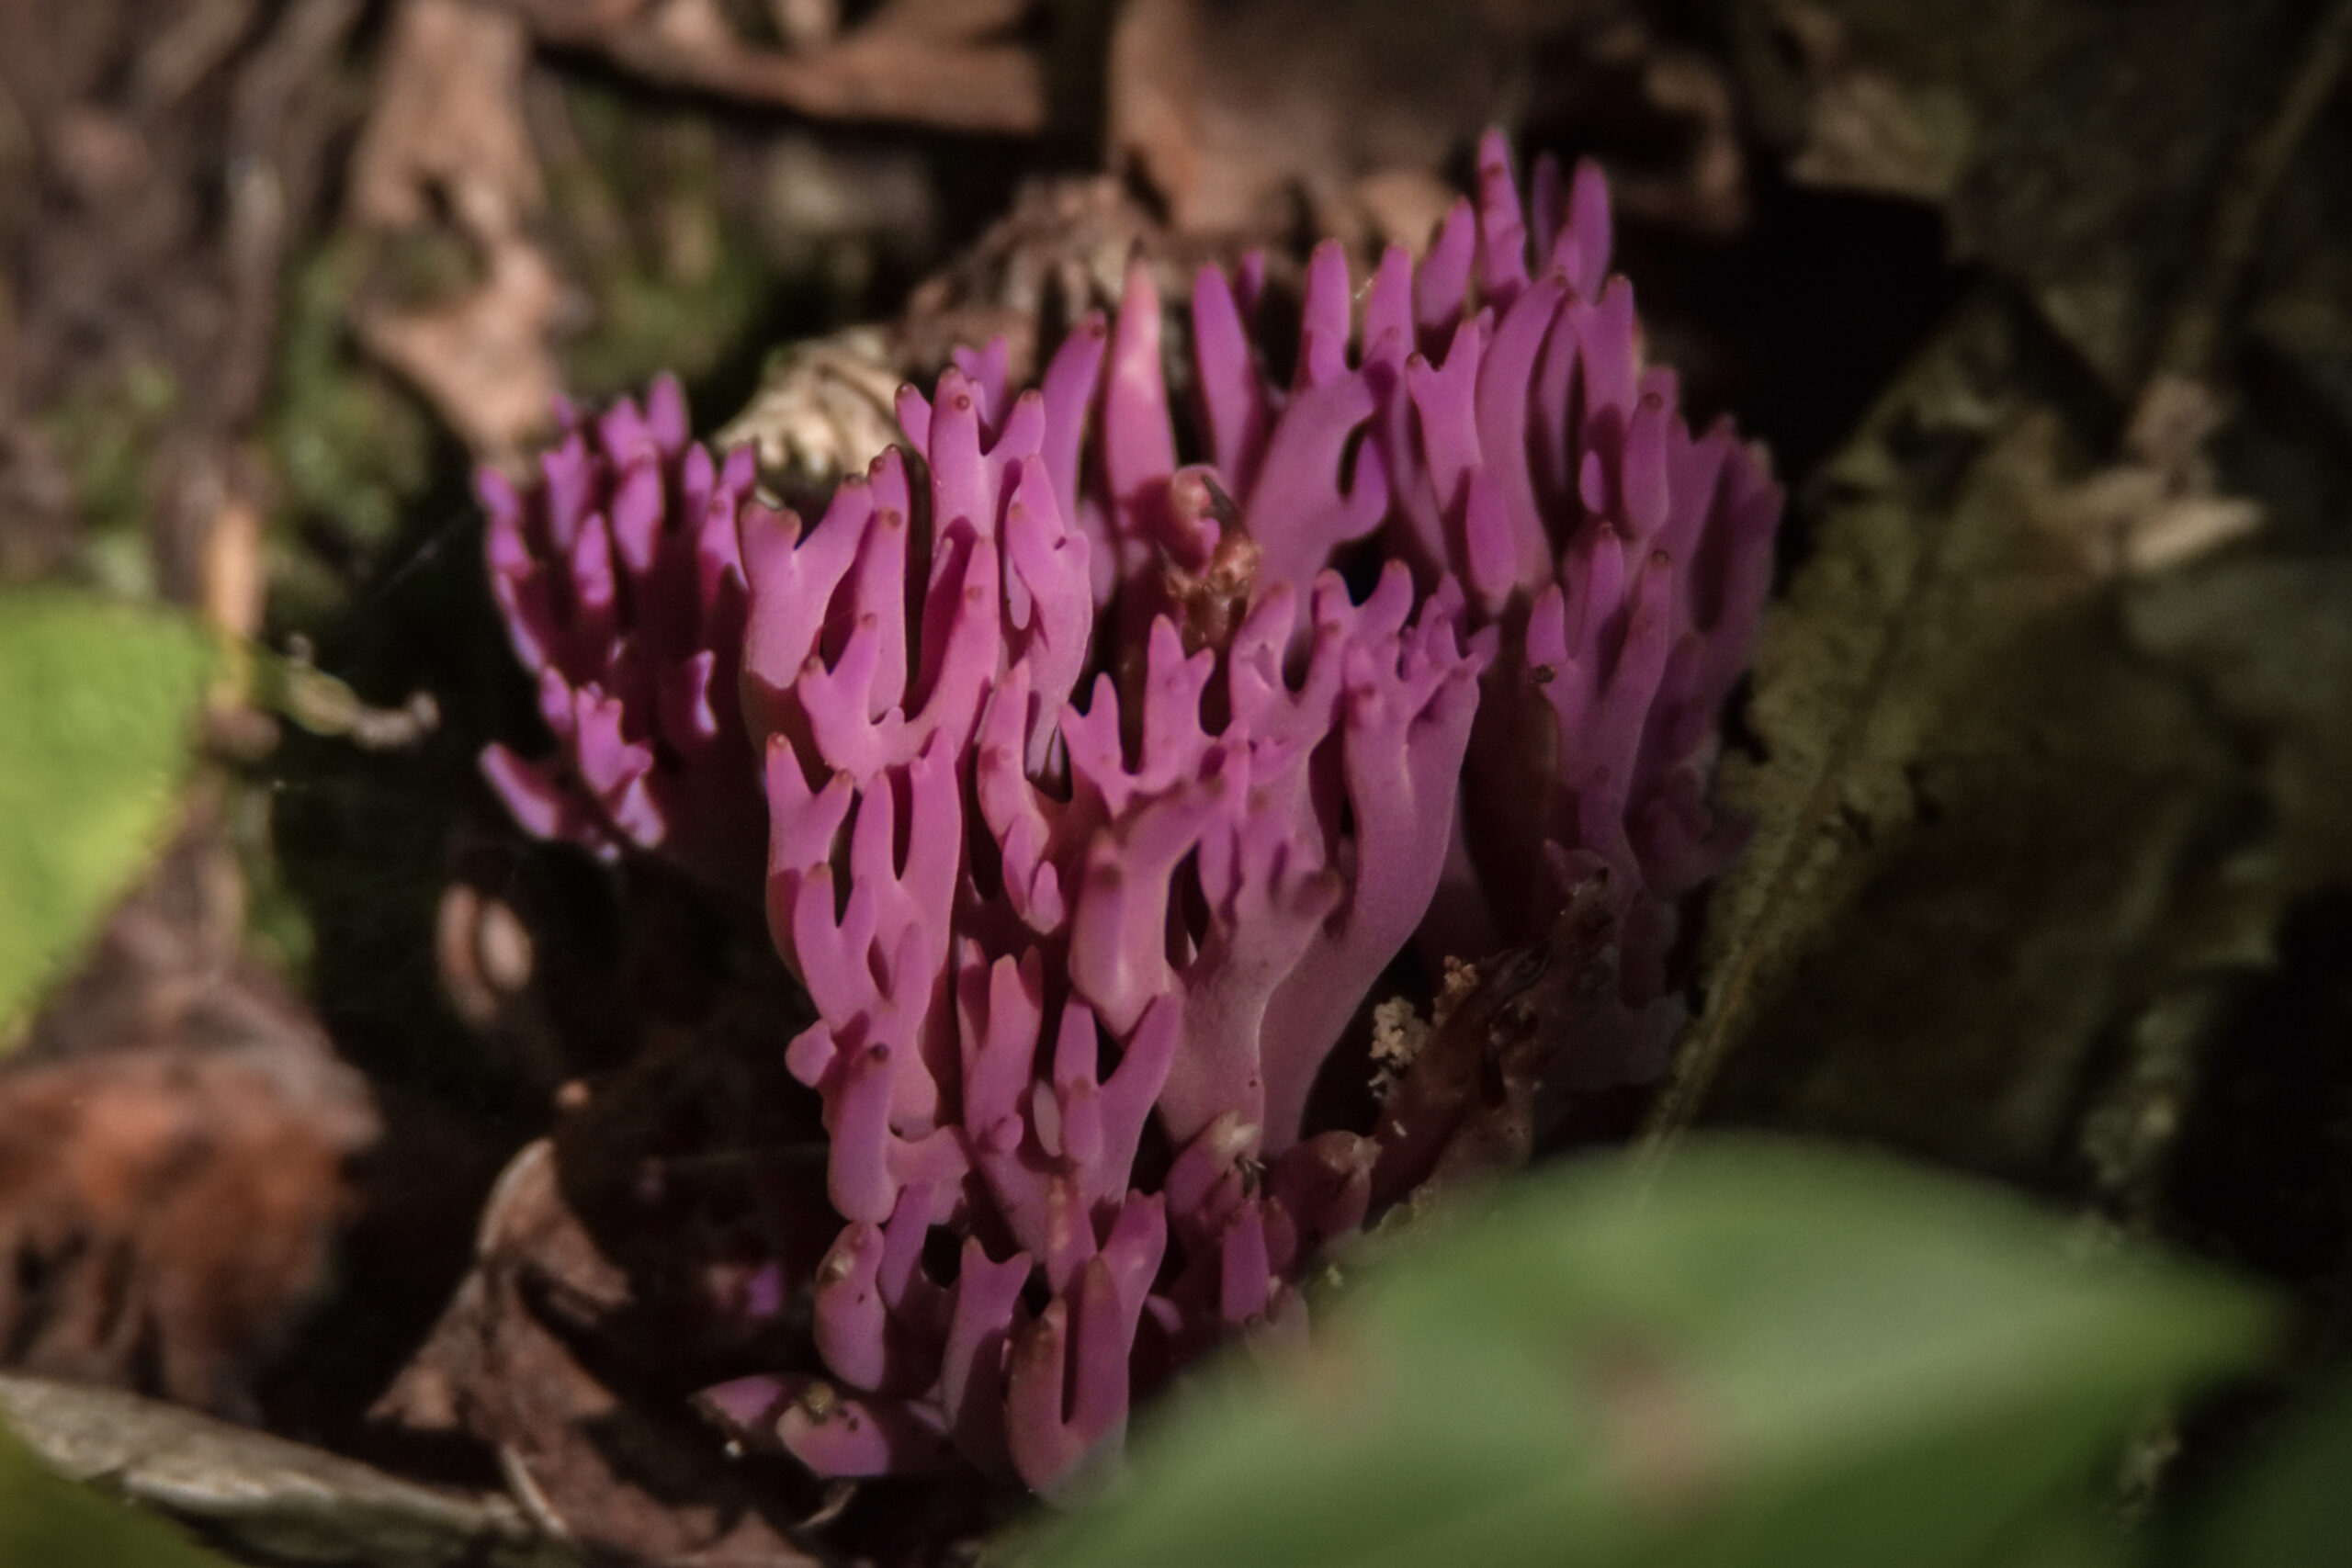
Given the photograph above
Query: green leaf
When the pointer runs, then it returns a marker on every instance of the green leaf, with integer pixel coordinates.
(1752, 1355)
(96, 704)
(48, 1520)
(2292, 1510)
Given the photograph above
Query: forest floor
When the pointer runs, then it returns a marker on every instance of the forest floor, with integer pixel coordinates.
(2042, 306)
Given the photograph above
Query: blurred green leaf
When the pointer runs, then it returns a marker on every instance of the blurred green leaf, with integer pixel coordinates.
(1753, 1355)
(2292, 1509)
(48, 1520)
(96, 703)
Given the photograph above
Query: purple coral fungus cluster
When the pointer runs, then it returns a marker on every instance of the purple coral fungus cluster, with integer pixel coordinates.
(622, 588)
(1098, 802)
(1533, 454)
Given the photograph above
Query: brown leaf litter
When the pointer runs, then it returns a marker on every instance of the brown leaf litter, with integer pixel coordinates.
(957, 64)
(1247, 118)
(140, 311)
(448, 136)
(174, 1154)
(661, 1241)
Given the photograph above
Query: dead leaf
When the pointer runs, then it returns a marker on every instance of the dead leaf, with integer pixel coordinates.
(2158, 506)
(953, 63)
(1211, 109)
(804, 24)
(1061, 251)
(1857, 126)
(1980, 817)
(447, 123)
(173, 1149)
(825, 408)
(2269, 637)
(1662, 91)
(164, 1216)
(660, 1243)
(589, 1463)
(447, 135)
(2079, 149)
(1400, 207)
(156, 163)
(483, 360)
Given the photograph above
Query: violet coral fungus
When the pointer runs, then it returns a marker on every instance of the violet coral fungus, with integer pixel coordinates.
(1531, 452)
(1098, 803)
(1518, 446)
(1062, 924)
(623, 592)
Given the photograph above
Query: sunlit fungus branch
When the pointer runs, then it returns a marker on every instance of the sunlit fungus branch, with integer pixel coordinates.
(1098, 799)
